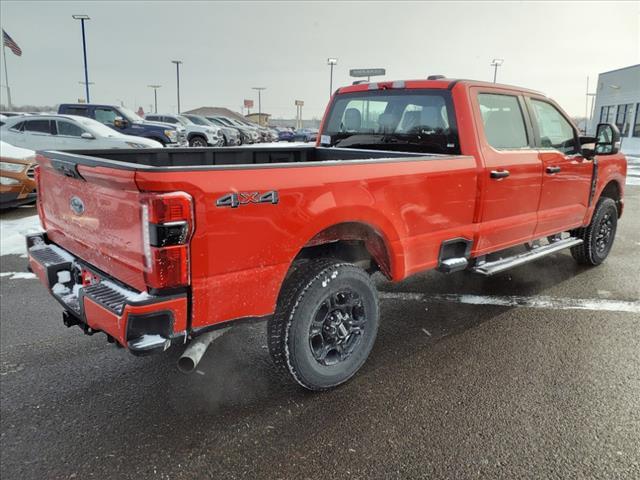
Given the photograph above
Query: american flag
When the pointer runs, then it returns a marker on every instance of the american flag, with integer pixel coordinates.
(7, 41)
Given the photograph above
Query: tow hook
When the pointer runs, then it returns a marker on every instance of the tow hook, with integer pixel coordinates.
(194, 352)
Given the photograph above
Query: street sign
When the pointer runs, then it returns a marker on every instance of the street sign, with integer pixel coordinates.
(248, 103)
(367, 72)
(299, 103)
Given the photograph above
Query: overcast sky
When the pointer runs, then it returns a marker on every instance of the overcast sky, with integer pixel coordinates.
(229, 47)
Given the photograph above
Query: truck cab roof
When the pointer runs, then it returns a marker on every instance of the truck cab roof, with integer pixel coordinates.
(439, 83)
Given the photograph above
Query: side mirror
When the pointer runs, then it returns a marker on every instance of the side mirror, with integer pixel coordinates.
(589, 151)
(119, 122)
(607, 139)
(87, 136)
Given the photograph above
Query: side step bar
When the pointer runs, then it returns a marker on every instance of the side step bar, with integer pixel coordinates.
(497, 266)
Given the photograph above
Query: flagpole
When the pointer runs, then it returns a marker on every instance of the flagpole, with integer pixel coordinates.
(6, 74)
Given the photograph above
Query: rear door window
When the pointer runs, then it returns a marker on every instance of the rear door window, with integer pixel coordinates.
(503, 121)
(38, 126)
(81, 111)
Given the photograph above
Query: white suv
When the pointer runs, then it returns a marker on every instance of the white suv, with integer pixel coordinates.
(67, 132)
(197, 135)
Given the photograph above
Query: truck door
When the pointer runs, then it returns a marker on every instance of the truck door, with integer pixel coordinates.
(512, 172)
(566, 180)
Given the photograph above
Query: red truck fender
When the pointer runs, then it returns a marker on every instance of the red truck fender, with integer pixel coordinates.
(377, 233)
(610, 181)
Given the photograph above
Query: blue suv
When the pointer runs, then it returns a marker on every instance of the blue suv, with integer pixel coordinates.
(125, 121)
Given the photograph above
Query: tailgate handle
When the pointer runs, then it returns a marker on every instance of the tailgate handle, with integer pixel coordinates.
(66, 168)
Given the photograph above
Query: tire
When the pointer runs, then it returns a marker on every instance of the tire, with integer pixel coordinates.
(598, 236)
(325, 323)
(198, 141)
(224, 141)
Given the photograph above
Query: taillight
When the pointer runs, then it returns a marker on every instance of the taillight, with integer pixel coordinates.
(167, 226)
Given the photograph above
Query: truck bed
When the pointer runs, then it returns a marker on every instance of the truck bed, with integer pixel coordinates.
(226, 157)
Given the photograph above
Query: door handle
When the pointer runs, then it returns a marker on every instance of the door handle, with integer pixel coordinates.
(499, 173)
(552, 170)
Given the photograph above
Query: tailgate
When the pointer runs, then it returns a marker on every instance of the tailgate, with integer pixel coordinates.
(95, 213)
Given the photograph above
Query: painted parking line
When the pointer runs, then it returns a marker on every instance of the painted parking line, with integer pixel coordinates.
(553, 303)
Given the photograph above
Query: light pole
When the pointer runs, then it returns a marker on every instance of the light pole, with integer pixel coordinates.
(155, 96)
(495, 63)
(84, 83)
(331, 62)
(178, 63)
(82, 19)
(259, 89)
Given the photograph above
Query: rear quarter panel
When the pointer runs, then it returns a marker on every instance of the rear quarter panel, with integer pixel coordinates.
(240, 256)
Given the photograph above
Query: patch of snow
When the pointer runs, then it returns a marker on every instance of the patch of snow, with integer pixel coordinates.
(12, 233)
(149, 340)
(11, 151)
(18, 275)
(128, 294)
(60, 289)
(64, 276)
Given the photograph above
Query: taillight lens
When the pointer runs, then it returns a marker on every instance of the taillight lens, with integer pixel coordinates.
(167, 220)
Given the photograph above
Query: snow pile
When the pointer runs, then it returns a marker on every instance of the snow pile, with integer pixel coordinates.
(18, 275)
(9, 151)
(12, 234)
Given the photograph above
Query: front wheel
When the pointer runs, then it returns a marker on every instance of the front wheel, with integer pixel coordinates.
(198, 141)
(325, 323)
(598, 236)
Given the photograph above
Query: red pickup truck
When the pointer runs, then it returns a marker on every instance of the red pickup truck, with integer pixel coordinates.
(169, 247)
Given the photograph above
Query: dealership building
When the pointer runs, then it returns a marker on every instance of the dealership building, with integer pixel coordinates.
(618, 101)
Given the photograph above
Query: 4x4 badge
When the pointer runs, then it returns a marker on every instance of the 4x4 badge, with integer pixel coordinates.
(234, 200)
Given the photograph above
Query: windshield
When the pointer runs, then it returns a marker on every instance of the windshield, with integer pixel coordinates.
(130, 115)
(184, 120)
(409, 120)
(97, 128)
(225, 121)
(199, 120)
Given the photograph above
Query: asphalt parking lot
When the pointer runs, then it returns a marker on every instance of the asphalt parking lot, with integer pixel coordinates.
(534, 373)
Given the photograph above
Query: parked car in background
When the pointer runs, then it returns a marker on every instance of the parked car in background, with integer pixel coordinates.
(197, 135)
(230, 136)
(67, 132)
(17, 183)
(306, 135)
(125, 121)
(265, 132)
(247, 135)
(285, 134)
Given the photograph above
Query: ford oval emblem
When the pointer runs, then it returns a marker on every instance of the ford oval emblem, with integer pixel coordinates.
(76, 205)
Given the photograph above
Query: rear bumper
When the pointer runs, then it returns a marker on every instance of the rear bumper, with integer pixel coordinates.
(138, 321)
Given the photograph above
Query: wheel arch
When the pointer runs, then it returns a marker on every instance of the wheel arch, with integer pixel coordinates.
(353, 241)
(613, 190)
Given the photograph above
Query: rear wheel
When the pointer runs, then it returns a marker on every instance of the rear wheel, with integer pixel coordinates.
(325, 323)
(598, 236)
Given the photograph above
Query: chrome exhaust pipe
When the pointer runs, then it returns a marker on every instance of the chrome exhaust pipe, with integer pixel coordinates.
(194, 352)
